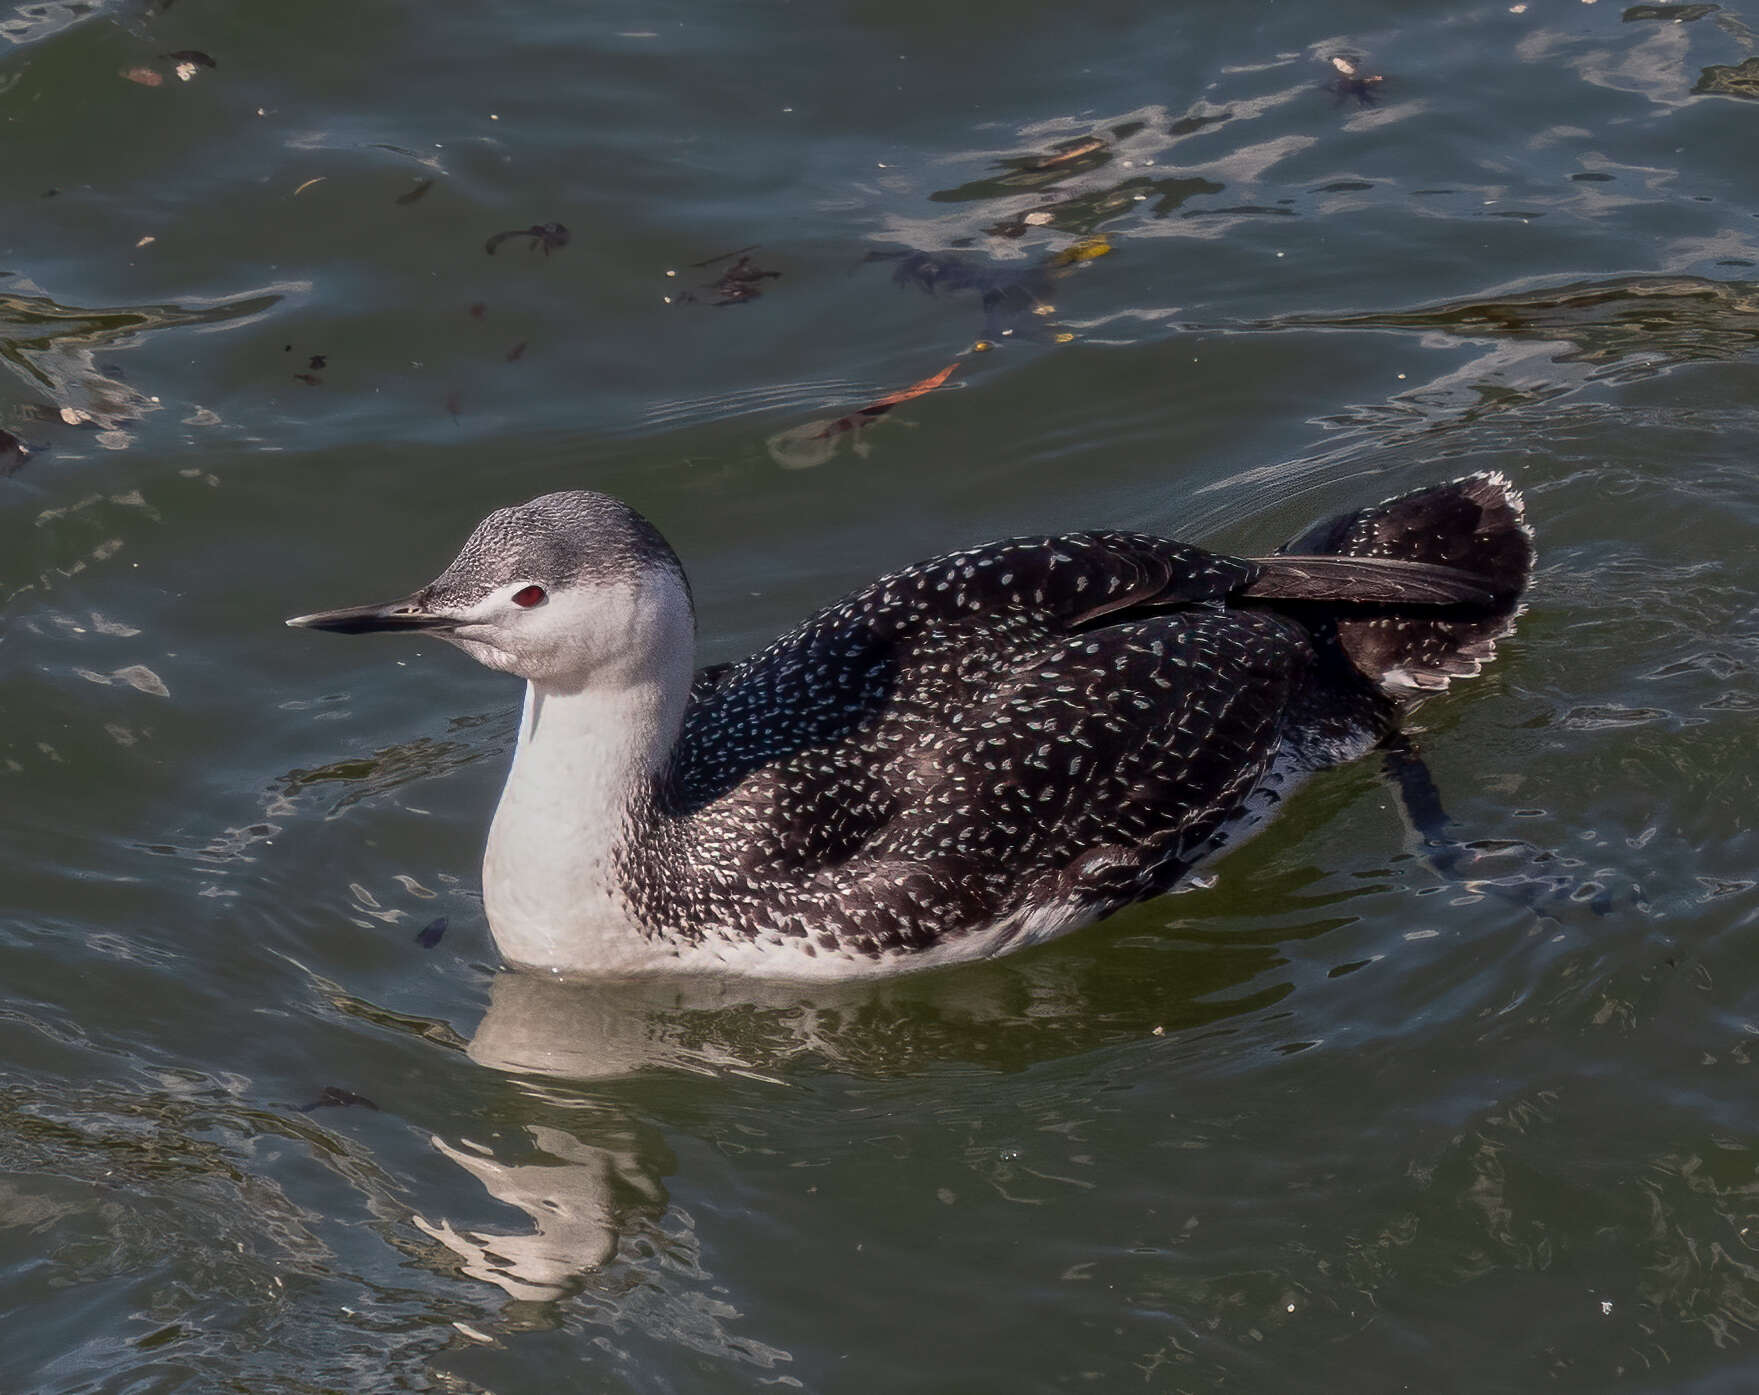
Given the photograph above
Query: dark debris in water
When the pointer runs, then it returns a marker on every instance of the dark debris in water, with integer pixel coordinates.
(740, 282)
(550, 237)
(335, 1097)
(1668, 14)
(1350, 82)
(430, 934)
(416, 194)
(193, 56)
(13, 454)
(1722, 80)
(1011, 295)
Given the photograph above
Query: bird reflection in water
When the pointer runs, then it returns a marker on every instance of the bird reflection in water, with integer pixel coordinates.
(590, 1177)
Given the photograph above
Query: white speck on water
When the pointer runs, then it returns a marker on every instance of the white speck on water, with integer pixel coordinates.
(1606, 1307)
(1420, 934)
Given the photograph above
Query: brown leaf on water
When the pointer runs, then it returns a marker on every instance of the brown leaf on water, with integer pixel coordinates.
(885, 404)
(802, 447)
(1068, 154)
(146, 77)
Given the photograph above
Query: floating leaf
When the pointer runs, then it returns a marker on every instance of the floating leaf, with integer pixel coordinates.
(802, 447)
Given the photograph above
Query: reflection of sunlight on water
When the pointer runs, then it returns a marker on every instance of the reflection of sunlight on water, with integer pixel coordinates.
(51, 347)
(572, 1202)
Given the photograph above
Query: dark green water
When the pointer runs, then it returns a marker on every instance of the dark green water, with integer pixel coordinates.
(1333, 1123)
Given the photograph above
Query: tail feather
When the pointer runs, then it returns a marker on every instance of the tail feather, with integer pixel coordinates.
(1472, 525)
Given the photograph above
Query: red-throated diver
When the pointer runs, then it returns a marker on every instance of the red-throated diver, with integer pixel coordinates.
(968, 756)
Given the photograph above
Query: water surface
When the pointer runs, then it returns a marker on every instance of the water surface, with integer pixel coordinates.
(1332, 1122)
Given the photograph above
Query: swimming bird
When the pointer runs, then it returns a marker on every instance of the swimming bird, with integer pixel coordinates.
(968, 756)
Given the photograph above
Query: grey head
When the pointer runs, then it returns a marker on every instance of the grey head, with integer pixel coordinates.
(568, 589)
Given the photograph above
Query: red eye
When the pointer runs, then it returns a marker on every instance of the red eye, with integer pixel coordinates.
(528, 596)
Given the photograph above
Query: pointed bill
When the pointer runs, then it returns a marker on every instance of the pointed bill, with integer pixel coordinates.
(406, 614)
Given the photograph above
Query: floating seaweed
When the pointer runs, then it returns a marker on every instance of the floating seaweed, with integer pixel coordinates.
(1016, 300)
(549, 237)
(739, 283)
(1725, 80)
(1011, 296)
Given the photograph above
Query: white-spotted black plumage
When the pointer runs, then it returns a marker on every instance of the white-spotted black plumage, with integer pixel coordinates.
(974, 753)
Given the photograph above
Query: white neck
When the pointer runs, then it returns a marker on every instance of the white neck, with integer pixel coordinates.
(552, 884)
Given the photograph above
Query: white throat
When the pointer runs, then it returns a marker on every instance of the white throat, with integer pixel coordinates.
(587, 758)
